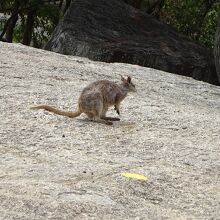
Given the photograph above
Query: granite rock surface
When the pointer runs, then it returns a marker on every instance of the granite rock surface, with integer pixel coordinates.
(53, 167)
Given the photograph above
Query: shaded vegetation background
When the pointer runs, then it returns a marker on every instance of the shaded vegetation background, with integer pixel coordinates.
(31, 22)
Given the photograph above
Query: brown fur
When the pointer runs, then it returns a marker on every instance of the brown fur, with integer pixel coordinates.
(96, 98)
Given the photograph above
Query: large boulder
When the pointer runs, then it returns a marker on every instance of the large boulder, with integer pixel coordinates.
(112, 31)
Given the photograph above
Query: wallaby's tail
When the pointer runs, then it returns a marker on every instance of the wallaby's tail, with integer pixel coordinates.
(57, 111)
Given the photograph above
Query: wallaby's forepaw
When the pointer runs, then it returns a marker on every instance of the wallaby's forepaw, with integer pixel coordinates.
(117, 110)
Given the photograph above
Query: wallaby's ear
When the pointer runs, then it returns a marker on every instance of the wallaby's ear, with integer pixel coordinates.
(129, 79)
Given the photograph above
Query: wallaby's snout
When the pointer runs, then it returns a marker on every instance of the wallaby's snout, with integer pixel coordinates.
(132, 88)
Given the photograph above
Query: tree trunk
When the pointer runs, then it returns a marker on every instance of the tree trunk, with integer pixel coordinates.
(29, 27)
(206, 5)
(217, 47)
(67, 5)
(10, 24)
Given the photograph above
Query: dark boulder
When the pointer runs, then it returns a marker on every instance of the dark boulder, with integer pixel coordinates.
(112, 31)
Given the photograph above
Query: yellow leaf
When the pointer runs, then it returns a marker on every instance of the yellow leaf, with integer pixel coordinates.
(134, 176)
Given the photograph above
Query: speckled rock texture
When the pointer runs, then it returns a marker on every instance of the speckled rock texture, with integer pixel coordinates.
(53, 167)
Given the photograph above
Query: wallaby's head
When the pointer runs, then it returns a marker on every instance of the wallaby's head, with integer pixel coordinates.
(128, 84)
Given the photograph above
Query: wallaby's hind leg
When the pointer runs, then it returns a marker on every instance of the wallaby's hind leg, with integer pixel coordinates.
(108, 118)
(96, 118)
(103, 121)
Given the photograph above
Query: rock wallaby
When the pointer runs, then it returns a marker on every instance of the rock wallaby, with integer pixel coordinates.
(96, 98)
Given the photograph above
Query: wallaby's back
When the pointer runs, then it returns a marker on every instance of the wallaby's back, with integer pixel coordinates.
(104, 91)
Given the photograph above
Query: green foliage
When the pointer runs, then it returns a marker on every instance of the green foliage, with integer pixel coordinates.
(192, 18)
(47, 16)
(18, 33)
(207, 31)
(46, 21)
